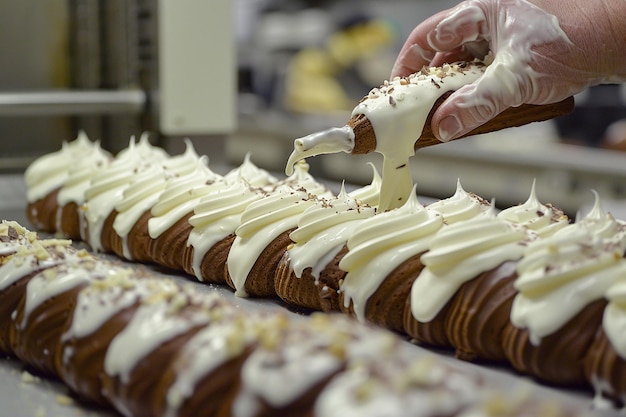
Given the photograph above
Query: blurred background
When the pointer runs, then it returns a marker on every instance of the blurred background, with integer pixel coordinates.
(239, 76)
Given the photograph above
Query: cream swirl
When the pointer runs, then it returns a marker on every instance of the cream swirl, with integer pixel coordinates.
(543, 219)
(217, 216)
(251, 173)
(561, 274)
(107, 188)
(52, 170)
(265, 219)
(460, 252)
(144, 192)
(461, 206)
(80, 174)
(380, 245)
(180, 196)
(601, 223)
(323, 229)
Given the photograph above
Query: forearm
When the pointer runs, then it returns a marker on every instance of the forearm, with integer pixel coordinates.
(598, 31)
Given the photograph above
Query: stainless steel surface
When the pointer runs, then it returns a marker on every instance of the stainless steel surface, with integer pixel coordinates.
(72, 102)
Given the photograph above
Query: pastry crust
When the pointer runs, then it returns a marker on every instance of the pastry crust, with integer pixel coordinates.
(365, 136)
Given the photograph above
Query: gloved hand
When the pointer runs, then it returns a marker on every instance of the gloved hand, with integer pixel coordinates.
(542, 52)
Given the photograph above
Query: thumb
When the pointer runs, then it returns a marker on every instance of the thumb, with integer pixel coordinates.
(463, 111)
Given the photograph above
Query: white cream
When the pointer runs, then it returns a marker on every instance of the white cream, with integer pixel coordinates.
(561, 274)
(181, 195)
(76, 270)
(144, 192)
(397, 387)
(218, 212)
(542, 219)
(81, 171)
(459, 253)
(380, 245)
(333, 140)
(370, 194)
(217, 216)
(152, 325)
(107, 188)
(264, 220)
(50, 171)
(323, 229)
(461, 206)
(397, 111)
(97, 303)
(210, 348)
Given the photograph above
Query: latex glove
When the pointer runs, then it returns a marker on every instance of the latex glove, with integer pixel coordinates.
(543, 52)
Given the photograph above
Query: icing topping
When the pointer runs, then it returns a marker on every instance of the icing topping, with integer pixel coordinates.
(544, 220)
(107, 188)
(180, 195)
(561, 274)
(218, 213)
(217, 216)
(144, 192)
(103, 299)
(396, 386)
(458, 253)
(601, 223)
(225, 338)
(461, 206)
(380, 244)
(398, 112)
(250, 173)
(323, 229)
(80, 173)
(265, 219)
(52, 170)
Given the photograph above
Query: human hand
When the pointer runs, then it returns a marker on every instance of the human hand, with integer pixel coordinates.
(542, 52)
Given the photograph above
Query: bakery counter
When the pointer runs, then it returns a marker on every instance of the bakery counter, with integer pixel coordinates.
(500, 165)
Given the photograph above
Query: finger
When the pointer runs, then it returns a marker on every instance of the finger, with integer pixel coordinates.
(416, 52)
(447, 30)
(410, 60)
(463, 24)
(459, 54)
(465, 109)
